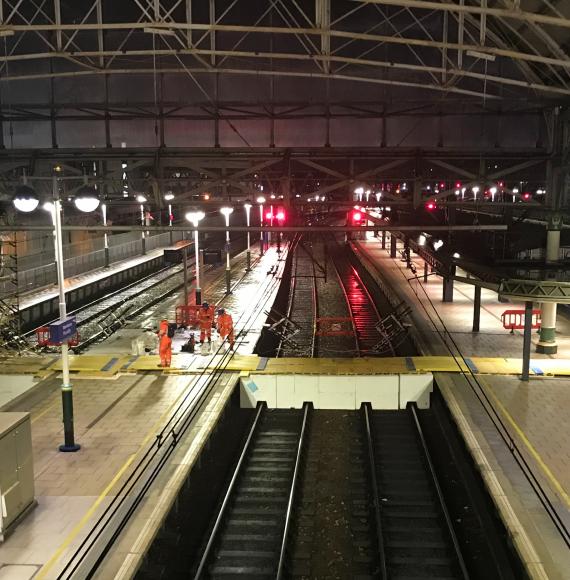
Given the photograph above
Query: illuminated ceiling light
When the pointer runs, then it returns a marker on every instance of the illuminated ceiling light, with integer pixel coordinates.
(226, 211)
(169, 196)
(359, 191)
(141, 198)
(48, 206)
(260, 199)
(25, 199)
(422, 240)
(86, 200)
(456, 255)
(437, 244)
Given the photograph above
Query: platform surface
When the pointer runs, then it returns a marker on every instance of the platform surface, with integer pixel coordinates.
(534, 413)
(28, 299)
(117, 416)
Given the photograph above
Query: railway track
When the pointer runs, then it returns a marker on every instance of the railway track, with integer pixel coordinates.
(103, 316)
(249, 535)
(303, 306)
(363, 311)
(415, 537)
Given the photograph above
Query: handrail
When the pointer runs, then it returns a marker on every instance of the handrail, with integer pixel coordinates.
(366, 408)
(465, 574)
(281, 564)
(261, 406)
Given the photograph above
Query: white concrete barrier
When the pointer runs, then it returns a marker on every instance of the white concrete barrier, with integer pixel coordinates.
(336, 392)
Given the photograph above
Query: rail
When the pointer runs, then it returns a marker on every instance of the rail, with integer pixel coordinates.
(261, 407)
(359, 329)
(457, 549)
(290, 503)
(366, 409)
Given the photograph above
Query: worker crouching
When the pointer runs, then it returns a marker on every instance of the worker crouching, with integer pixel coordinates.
(205, 321)
(225, 326)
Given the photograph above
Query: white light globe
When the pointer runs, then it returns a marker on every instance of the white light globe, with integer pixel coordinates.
(141, 199)
(25, 199)
(26, 204)
(86, 204)
(226, 210)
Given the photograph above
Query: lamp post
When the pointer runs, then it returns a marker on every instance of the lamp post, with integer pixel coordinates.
(261, 200)
(247, 206)
(105, 235)
(169, 197)
(226, 212)
(27, 201)
(194, 218)
(142, 200)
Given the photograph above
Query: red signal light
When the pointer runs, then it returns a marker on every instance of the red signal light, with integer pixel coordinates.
(458, 185)
(280, 216)
(526, 196)
(356, 216)
(431, 205)
(269, 215)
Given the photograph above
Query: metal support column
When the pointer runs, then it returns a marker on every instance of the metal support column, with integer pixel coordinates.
(185, 266)
(547, 341)
(426, 270)
(477, 309)
(383, 239)
(448, 285)
(392, 246)
(526, 339)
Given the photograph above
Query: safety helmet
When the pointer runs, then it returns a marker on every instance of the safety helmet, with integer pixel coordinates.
(205, 305)
(221, 311)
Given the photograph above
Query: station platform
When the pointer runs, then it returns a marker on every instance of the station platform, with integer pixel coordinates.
(117, 418)
(110, 365)
(29, 299)
(502, 418)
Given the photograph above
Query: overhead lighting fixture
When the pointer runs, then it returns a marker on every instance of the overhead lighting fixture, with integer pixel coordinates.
(141, 199)
(25, 199)
(169, 196)
(482, 55)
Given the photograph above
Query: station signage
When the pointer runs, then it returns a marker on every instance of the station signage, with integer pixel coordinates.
(62, 330)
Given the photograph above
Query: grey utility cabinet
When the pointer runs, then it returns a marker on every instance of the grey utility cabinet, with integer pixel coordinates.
(16, 469)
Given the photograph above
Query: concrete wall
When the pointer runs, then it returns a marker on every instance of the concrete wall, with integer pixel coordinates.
(336, 392)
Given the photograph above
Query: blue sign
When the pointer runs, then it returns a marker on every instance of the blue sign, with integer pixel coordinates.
(62, 330)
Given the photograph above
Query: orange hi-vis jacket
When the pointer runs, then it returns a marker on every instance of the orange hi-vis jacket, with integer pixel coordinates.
(206, 318)
(225, 324)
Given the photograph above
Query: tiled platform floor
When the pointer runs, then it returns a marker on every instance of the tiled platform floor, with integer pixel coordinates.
(115, 419)
(535, 413)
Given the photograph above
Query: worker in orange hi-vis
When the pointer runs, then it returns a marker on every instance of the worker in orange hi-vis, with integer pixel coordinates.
(164, 344)
(205, 321)
(225, 326)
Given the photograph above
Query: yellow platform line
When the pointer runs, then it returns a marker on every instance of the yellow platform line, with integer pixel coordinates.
(535, 454)
(79, 526)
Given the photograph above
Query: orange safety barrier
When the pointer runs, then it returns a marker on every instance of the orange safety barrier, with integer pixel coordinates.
(42, 336)
(514, 319)
(187, 315)
(334, 326)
